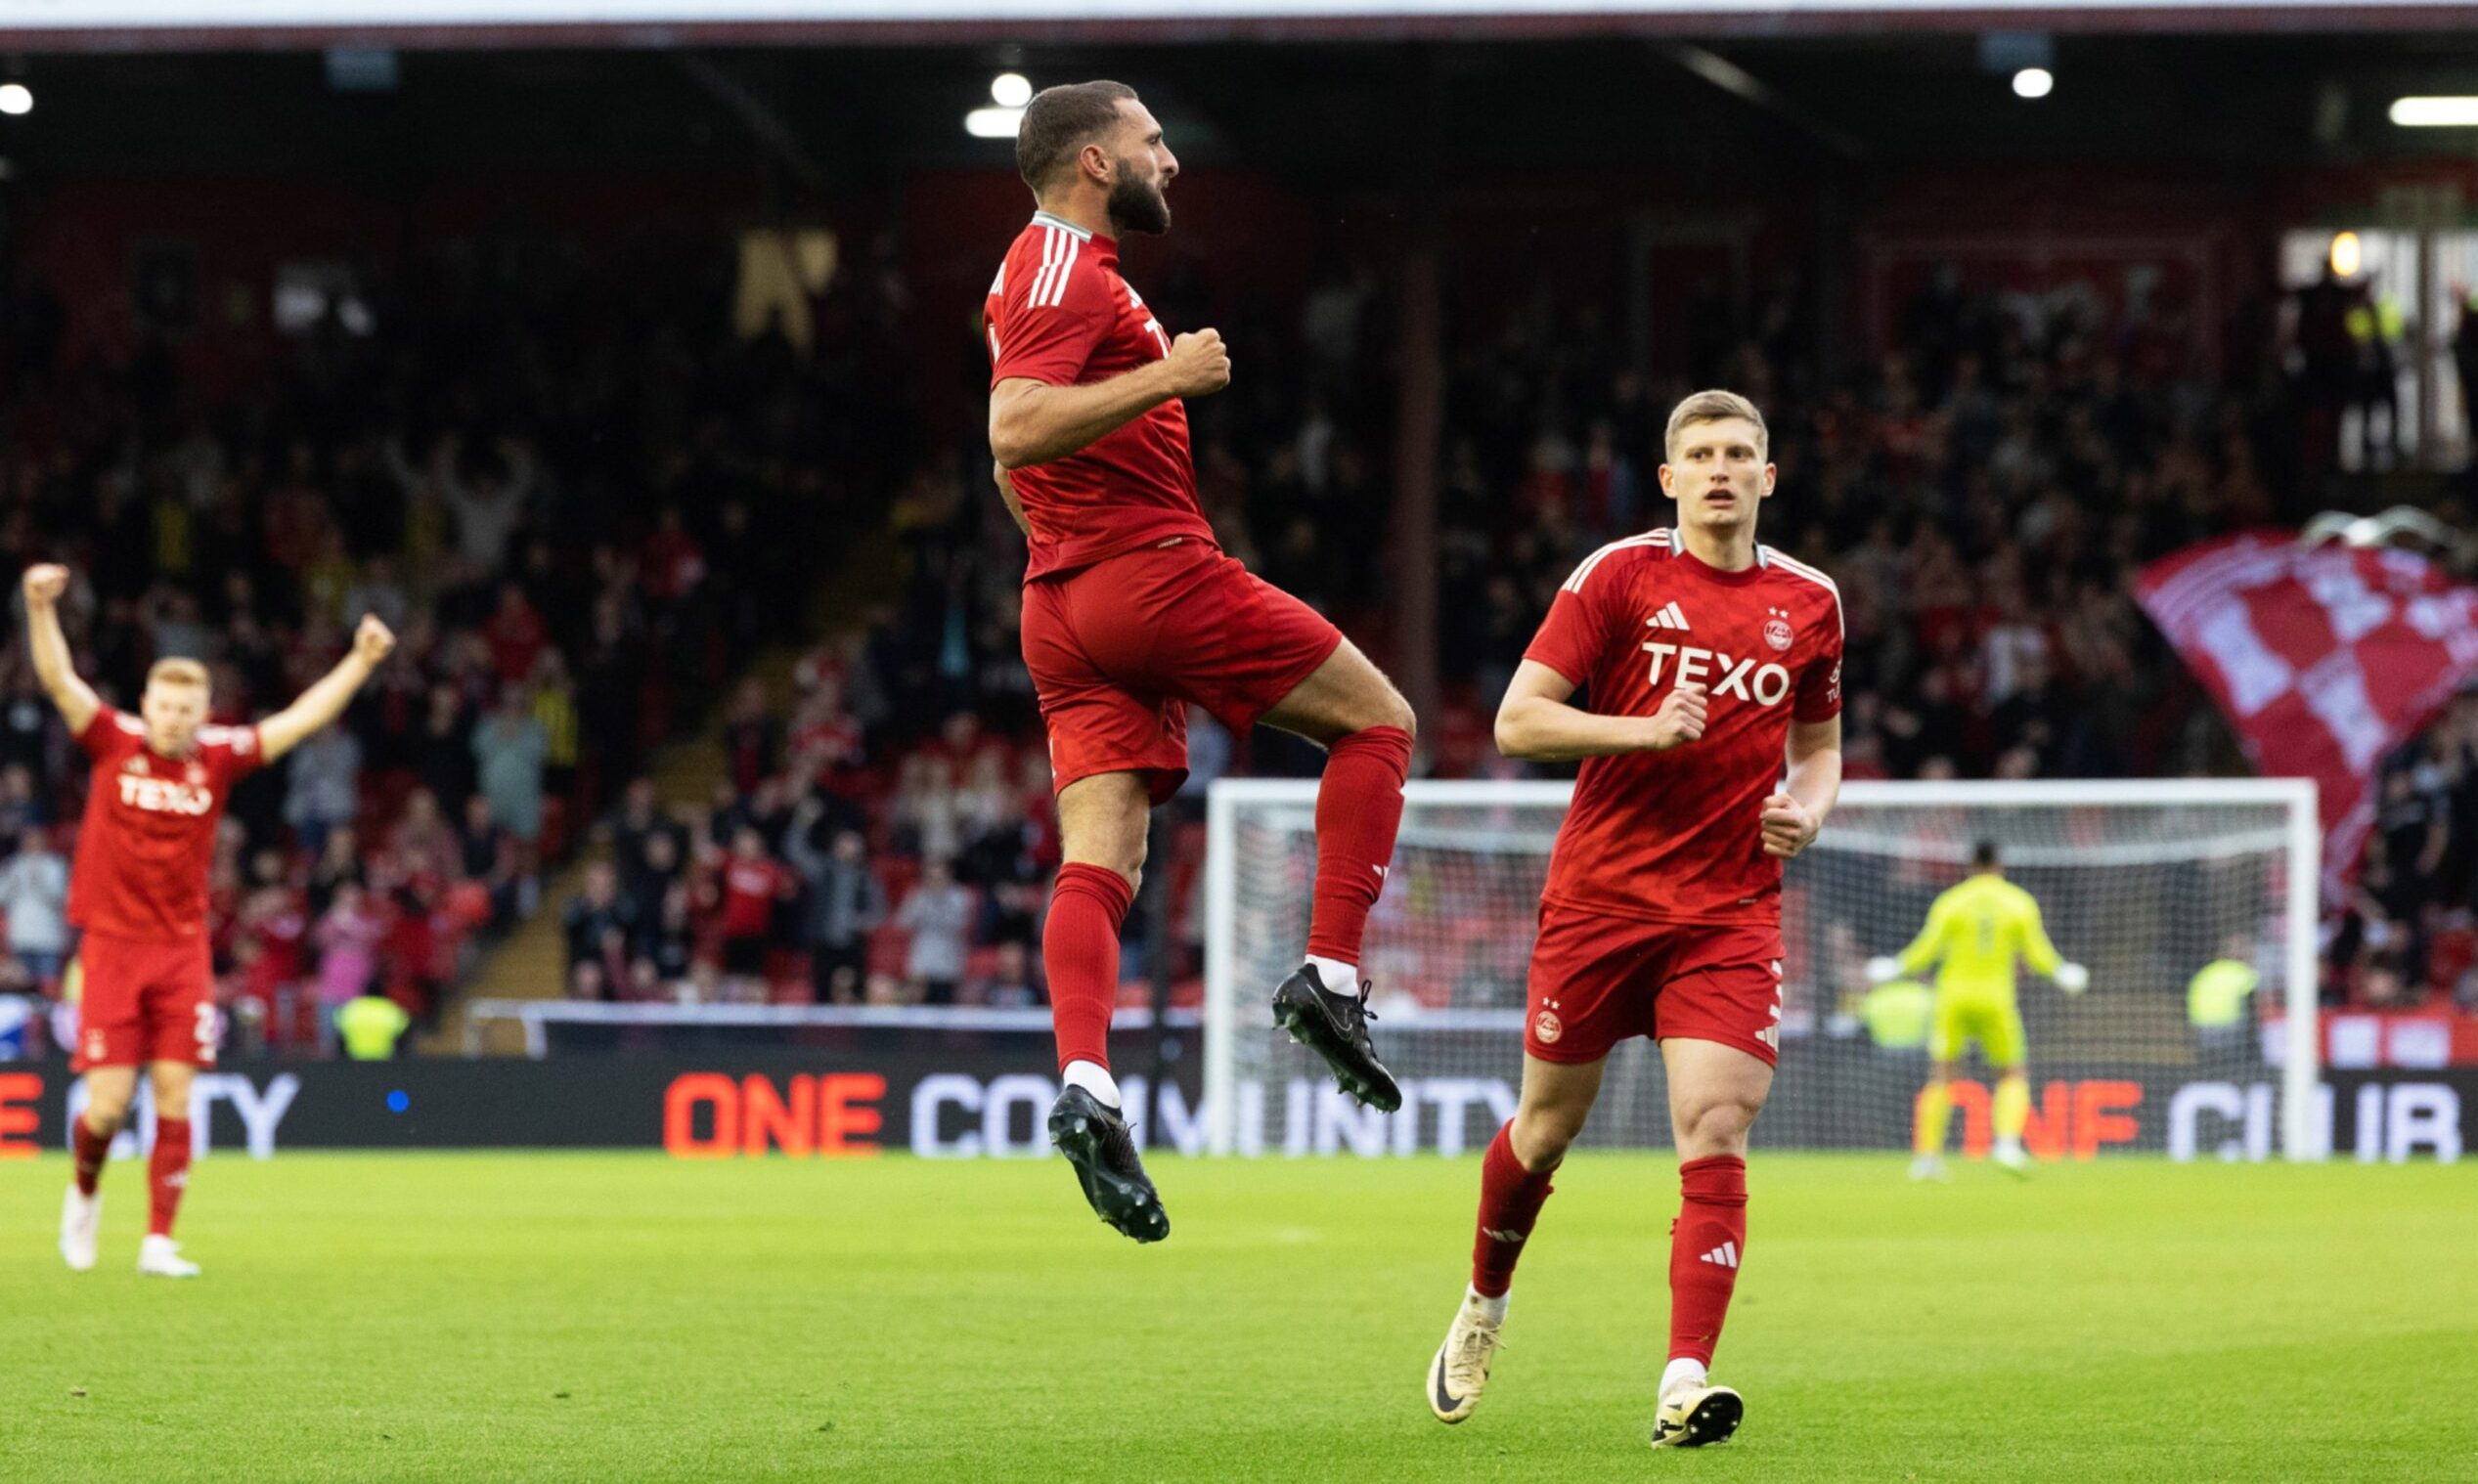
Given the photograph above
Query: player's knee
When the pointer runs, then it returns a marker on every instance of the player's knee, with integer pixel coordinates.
(1718, 1127)
(1542, 1135)
(1397, 712)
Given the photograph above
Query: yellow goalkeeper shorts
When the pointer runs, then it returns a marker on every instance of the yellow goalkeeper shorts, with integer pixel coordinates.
(1960, 1019)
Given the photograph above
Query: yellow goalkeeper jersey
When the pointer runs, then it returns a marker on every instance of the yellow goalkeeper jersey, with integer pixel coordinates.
(1974, 931)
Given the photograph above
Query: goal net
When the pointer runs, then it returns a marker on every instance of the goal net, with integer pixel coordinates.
(2145, 884)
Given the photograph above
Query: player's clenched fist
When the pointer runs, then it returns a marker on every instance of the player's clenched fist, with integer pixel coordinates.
(373, 640)
(1788, 826)
(1679, 721)
(45, 581)
(1199, 363)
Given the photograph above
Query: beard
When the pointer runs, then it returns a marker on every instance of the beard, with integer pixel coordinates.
(1138, 205)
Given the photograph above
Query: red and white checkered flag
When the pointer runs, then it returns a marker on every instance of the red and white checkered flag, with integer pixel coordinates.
(2323, 658)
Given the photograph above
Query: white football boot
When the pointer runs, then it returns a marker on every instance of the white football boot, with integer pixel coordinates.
(82, 1217)
(1928, 1168)
(161, 1257)
(2009, 1157)
(1694, 1412)
(1460, 1372)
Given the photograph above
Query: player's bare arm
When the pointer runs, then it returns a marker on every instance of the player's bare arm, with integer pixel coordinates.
(1792, 816)
(1014, 504)
(327, 699)
(1536, 724)
(1033, 423)
(44, 584)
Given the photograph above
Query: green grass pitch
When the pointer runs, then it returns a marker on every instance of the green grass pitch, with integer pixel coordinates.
(611, 1317)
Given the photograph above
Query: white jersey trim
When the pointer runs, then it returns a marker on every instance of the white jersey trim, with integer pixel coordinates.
(1050, 219)
(1650, 539)
(1797, 568)
(1058, 259)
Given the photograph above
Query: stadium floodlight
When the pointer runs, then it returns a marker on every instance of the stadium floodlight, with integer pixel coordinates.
(2034, 82)
(993, 123)
(16, 99)
(2435, 113)
(2347, 254)
(1011, 90)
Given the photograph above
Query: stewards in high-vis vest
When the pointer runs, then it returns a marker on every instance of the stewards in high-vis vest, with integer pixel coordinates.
(369, 1026)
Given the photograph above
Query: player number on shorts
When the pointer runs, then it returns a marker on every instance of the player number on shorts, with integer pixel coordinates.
(206, 1032)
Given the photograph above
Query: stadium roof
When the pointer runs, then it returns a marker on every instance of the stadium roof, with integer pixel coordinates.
(280, 24)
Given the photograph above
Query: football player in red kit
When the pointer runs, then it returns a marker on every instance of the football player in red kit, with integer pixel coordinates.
(160, 783)
(1131, 612)
(1711, 740)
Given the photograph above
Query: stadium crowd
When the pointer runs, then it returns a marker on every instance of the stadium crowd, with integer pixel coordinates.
(567, 595)
(1984, 497)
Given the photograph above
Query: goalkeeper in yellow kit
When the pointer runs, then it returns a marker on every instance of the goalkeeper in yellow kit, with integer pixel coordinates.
(1974, 931)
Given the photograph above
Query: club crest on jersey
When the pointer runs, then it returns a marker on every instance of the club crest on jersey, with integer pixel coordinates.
(1727, 675)
(1776, 629)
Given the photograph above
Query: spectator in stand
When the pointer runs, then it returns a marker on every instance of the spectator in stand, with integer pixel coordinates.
(844, 905)
(347, 938)
(20, 808)
(509, 752)
(322, 786)
(600, 923)
(751, 884)
(669, 957)
(34, 893)
(487, 856)
(937, 914)
(1010, 985)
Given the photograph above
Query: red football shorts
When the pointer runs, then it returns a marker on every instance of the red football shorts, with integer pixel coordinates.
(145, 1002)
(1119, 649)
(1597, 979)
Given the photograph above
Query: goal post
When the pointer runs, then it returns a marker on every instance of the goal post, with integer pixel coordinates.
(2144, 882)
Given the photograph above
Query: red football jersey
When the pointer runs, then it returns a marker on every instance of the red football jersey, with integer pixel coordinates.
(1679, 836)
(148, 837)
(1059, 313)
(749, 889)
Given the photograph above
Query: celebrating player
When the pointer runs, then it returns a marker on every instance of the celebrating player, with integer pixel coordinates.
(1705, 657)
(1131, 612)
(158, 787)
(1975, 930)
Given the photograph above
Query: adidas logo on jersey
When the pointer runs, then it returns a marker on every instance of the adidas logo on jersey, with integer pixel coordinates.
(1669, 617)
(1725, 1256)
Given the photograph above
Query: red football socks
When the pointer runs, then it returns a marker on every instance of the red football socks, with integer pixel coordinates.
(1358, 809)
(1079, 950)
(1510, 1200)
(93, 1150)
(168, 1174)
(1707, 1243)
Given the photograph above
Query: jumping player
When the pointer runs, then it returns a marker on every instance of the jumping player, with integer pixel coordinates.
(1132, 611)
(1708, 660)
(1975, 930)
(158, 787)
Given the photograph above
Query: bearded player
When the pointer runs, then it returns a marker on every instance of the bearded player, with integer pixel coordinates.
(158, 787)
(1714, 668)
(1132, 611)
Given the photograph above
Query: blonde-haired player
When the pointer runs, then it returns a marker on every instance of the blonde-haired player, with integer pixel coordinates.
(159, 786)
(1973, 933)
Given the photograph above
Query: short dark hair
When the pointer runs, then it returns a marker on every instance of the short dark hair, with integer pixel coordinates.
(1983, 855)
(1061, 120)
